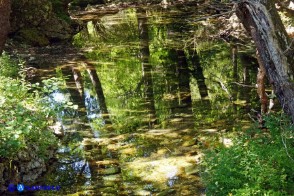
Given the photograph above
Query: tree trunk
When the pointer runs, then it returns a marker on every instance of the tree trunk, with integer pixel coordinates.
(261, 87)
(261, 20)
(4, 22)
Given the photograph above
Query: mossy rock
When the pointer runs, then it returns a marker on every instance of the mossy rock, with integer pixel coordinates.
(27, 14)
(33, 37)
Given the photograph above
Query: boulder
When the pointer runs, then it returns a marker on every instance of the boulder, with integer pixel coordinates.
(4, 22)
(32, 36)
(56, 29)
(29, 13)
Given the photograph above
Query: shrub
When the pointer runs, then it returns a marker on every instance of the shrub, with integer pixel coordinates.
(260, 163)
(23, 115)
(9, 68)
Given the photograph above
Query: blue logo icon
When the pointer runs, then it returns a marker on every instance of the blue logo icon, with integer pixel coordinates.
(11, 188)
(20, 187)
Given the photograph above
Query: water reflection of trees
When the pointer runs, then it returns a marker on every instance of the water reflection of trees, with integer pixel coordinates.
(212, 67)
(150, 74)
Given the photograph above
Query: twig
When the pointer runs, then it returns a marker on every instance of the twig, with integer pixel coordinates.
(284, 142)
(213, 16)
(245, 85)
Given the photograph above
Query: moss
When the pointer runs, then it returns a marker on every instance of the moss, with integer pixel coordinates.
(33, 36)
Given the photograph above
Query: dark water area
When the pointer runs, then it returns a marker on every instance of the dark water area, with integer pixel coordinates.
(147, 91)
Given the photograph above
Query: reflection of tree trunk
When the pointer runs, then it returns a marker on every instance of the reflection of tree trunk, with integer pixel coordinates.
(79, 81)
(235, 62)
(245, 91)
(235, 74)
(245, 64)
(197, 73)
(73, 88)
(171, 78)
(99, 91)
(4, 22)
(184, 78)
(262, 20)
(146, 67)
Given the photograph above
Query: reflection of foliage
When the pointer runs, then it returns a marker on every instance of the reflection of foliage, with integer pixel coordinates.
(56, 86)
(103, 31)
(215, 59)
(120, 71)
(120, 83)
(260, 163)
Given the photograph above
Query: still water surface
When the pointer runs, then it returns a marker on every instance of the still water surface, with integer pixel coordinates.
(149, 89)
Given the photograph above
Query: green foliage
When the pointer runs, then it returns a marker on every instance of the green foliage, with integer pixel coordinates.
(9, 68)
(23, 115)
(260, 163)
(60, 8)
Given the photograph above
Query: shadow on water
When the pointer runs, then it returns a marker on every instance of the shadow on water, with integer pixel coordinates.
(142, 103)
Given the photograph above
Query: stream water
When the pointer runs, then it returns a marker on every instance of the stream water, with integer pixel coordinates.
(147, 91)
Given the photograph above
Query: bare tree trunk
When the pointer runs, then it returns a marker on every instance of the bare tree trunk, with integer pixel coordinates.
(261, 20)
(261, 87)
(4, 22)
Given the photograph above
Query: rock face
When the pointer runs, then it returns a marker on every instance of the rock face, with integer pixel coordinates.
(4, 21)
(27, 167)
(35, 22)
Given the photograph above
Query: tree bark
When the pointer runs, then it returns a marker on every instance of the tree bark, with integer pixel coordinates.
(260, 81)
(5, 6)
(261, 20)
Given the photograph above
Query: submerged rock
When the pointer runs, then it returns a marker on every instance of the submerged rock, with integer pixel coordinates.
(167, 192)
(109, 190)
(191, 169)
(111, 170)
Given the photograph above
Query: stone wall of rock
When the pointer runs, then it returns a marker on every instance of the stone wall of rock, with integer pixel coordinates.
(36, 22)
(4, 21)
(26, 168)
